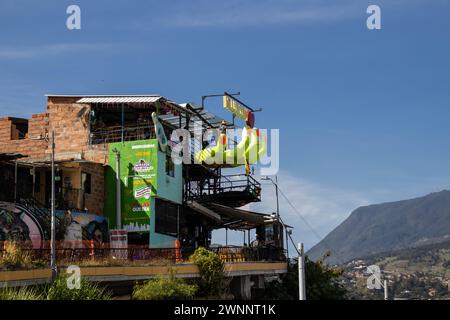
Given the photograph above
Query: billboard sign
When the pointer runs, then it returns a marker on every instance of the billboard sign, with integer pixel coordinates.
(235, 107)
(138, 174)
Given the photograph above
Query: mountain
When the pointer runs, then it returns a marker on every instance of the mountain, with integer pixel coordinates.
(388, 226)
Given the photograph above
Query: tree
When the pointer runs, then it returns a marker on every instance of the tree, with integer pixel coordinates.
(212, 272)
(322, 282)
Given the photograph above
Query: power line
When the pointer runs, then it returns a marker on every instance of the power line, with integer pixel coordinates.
(308, 225)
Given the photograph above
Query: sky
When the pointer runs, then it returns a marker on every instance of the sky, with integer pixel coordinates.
(363, 114)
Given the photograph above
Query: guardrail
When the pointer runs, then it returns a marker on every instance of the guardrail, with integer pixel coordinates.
(117, 133)
(107, 255)
(224, 184)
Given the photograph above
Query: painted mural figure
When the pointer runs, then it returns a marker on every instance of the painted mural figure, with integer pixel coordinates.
(74, 231)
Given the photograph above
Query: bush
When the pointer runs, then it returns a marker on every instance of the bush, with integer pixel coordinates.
(14, 257)
(165, 288)
(59, 290)
(23, 293)
(212, 274)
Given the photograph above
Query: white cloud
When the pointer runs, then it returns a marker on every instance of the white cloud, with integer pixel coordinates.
(324, 207)
(53, 50)
(240, 13)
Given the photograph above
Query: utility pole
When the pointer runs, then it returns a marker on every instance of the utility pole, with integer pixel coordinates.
(53, 218)
(385, 290)
(15, 181)
(276, 191)
(118, 192)
(301, 272)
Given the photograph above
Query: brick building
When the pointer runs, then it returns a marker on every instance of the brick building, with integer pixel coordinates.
(160, 201)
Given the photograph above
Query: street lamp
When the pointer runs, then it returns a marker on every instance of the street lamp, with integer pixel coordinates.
(53, 265)
(53, 217)
(275, 183)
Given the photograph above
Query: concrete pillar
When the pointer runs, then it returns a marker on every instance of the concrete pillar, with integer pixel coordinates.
(246, 287)
(258, 281)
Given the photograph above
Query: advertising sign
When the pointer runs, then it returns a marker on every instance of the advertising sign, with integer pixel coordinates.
(119, 242)
(235, 107)
(138, 174)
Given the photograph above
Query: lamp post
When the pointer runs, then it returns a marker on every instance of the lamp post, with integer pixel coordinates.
(53, 265)
(53, 218)
(275, 183)
(301, 272)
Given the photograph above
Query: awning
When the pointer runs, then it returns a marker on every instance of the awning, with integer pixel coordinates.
(10, 156)
(239, 219)
(203, 210)
(120, 99)
(137, 100)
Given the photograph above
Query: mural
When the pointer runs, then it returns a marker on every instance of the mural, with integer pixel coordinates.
(31, 226)
(18, 224)
(77, 226)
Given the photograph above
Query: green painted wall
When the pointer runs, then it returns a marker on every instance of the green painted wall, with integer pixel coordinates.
(138, 174)
(142, 166)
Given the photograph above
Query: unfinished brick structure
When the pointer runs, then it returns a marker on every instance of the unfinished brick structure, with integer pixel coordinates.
(29, 140)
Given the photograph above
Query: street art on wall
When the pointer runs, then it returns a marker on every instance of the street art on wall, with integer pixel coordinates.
(78, 226)
(31, 226)
(18, 224)
(138, 176)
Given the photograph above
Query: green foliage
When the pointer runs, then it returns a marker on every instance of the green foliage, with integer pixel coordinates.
(322, 282)
(165, 288)
(14, 258)
(22, 293)
(212, 274)
(59, 290)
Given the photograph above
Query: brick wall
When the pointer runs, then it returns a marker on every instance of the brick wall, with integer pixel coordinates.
(94, 201)
(38, 125)
(69, 121)
(5, 129)
(28, 147)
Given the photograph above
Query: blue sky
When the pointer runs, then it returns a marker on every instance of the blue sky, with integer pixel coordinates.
(363, 115)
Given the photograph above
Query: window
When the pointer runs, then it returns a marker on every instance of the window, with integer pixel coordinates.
(86, 182)
(166, 217)
(37, 182)
(170, 167)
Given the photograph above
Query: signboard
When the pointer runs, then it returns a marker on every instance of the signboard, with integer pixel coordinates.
(119, 242)
(235, 107)
(138, 174)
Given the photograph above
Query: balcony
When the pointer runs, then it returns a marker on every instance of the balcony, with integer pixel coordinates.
(117, 133)
(232, 190)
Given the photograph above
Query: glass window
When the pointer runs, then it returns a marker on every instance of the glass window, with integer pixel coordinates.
(166, 217)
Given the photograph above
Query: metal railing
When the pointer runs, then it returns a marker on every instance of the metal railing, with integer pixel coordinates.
(116, 133)
(93, 254)
(223, 184)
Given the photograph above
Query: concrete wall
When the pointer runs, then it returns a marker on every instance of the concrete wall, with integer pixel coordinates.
(170, 188)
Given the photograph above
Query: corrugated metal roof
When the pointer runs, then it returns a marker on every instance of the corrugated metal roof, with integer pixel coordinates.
(119, 99)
